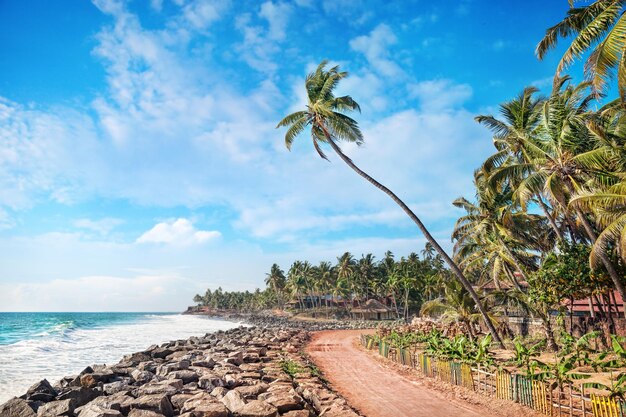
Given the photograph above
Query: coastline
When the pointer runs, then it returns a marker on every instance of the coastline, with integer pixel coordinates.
(257, 369)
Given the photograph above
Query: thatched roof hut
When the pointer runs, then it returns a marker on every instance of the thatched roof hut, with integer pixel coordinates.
(372, 310)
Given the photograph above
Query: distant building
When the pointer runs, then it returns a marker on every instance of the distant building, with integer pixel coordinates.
(372, 310)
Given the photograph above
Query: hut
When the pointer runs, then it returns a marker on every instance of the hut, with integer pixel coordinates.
(372, 310)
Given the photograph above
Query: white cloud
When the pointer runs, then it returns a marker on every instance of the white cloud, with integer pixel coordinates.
(277, 15)
(261, 44)
(101, 226)
(435, 95)
(177, 232)
(375, 47)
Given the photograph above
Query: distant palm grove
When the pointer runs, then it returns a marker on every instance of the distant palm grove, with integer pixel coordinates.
(546, 225)
(402, 284)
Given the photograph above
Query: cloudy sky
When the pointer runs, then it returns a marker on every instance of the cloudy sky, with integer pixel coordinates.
(139, 160)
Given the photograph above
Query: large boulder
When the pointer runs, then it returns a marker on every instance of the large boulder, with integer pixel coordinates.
(80, 395)
(154, 402)
(233, 401)
(141, 376)
(17, 407)
(119, 402)
(185, 375)
(168, 386)
(97, 411)
(144, 413)
(41, 391)
(256, 408)
(57, 409)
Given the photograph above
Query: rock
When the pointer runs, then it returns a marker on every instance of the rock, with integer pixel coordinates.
(205, 405)
(256, 408)
(119, 402)
(186, 376)
(161, 352)
(88, 381)
(57, 408)
(115, 387)
(178, 400)
(41, 391)
(81, 396)
(250, 391)
(97, 411)
(296, 413)
(154, 402)
(17, 407)
(286, 402)
(236, 358)
(168, 386)
(209, 381)
(141, 376)
(144, 413)
(233, 401)
(208, 362)
(219, 392)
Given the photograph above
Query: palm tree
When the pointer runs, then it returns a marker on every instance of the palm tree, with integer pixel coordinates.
(295, 282)
(560, 160)
(366, 270)
(520, 122)
(324, 115)
(455, 306)
(599, 27)
(495, 219)
(276, 280)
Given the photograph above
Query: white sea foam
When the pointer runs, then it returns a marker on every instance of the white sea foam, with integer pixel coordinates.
(71, 350)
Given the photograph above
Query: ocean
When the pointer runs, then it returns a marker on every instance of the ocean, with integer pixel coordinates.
(34, 346)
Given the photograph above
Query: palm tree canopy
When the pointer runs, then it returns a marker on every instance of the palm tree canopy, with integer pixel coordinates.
(324, 113)
(599, 28)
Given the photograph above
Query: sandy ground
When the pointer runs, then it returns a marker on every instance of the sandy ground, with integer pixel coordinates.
(375, 387)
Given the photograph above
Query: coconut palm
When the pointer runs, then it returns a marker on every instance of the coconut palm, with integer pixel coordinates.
(276, 281)
(520, 122)
(561, 160)
(599, 28)
(325, 117)
(456, 305)
(496, 220)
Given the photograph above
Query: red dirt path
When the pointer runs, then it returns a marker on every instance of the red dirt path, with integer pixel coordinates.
(375, 390)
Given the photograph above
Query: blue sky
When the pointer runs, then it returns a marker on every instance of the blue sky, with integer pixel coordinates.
(140, 162)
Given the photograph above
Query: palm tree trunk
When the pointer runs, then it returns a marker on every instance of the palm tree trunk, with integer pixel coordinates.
(547, 329)
(544, 207)
(455, 269)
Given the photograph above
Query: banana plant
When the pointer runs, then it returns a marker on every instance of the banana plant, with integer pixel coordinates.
(482, 355)
(525, 355)
(617, 388)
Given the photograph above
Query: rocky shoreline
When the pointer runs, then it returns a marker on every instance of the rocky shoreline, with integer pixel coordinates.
(257, 371)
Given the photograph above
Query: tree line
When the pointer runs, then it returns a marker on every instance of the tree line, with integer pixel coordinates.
(402, 284)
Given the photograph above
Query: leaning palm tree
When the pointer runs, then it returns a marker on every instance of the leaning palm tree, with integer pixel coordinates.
(599, 28)
(324, 115)
(276, 281)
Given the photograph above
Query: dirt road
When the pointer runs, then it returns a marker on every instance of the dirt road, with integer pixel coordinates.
(374, 390)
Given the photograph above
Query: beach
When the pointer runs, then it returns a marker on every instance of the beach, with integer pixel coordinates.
(244, 371)
(34, 346)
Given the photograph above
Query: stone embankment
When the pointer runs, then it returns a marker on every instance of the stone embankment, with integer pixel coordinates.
(244, 372)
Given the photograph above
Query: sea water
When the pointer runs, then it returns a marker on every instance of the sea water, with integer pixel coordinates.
(34, 346)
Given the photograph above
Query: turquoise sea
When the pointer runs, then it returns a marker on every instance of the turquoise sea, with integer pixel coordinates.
(34, 346)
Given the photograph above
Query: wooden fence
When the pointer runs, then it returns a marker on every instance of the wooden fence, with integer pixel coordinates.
(566, 401)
